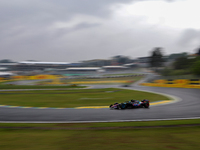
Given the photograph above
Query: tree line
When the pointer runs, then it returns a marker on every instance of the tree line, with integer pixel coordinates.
(181, 63)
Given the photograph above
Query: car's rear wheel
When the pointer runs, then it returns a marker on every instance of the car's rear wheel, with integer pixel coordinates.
(146, 105)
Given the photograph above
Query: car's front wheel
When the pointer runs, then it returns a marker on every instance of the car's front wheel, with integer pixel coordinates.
(122, 106)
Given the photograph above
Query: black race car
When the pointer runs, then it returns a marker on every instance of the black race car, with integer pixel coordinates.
(131, 104)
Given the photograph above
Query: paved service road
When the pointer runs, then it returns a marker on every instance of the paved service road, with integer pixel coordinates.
(188, 107)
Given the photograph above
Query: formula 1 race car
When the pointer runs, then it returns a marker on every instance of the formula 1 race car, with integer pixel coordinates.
(131, 104)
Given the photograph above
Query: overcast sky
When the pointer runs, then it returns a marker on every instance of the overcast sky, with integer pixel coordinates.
(76, 30)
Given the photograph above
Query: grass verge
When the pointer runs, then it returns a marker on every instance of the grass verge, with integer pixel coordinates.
(109, 80)
(5, 86)
(74, 98)
(94, 136)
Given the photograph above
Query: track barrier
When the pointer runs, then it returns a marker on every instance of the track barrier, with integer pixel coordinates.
(178, 83)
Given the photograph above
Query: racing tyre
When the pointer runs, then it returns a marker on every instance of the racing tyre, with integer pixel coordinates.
(123, 106)
(146, 105)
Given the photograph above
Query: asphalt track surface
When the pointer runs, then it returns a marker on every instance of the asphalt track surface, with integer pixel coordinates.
(188, 107)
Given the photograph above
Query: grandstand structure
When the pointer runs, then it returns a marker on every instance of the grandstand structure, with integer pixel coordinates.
(29, 65)
(6, 74)
(57, 68)
(115, 68)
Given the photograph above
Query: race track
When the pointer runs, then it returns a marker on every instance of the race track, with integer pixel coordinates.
(187, 108)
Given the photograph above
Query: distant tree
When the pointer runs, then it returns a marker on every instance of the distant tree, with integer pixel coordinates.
(119, 59)
(177, 55)
(196, 68)
(184, 62)
(6, 61)
(32, 60)
(198, 52)
(181, 63)
(156, 58)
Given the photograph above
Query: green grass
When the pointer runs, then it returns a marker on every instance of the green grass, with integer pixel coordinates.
(6, 86)
(76, 136)
(66, 82)
(134, 79)
(78, 126)
(74, 98)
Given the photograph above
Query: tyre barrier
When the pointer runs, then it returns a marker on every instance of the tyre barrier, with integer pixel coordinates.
(178, 83)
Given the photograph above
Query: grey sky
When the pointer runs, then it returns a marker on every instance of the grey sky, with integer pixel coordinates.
(75, 30)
